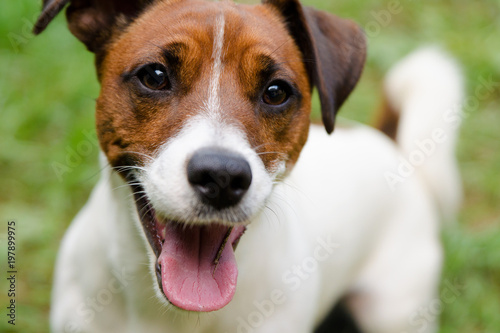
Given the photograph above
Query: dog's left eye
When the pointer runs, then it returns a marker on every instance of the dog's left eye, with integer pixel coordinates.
(277, 93)
(154, 77)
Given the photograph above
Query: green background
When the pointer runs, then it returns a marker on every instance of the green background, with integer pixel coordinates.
(47, 94)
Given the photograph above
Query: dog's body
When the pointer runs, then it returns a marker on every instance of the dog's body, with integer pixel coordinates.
(341, 224)
(396, 232)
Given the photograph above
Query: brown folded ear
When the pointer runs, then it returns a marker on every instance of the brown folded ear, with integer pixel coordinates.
(334, 52)
(50, 9)
(91, 21)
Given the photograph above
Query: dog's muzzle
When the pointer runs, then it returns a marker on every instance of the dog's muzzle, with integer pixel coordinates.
(196, 265)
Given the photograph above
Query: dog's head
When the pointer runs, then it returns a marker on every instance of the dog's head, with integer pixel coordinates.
(203, 106)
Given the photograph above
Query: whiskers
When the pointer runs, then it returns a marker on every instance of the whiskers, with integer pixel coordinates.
(149, 157)
(285, 155)
(123, 168)
(257, 148)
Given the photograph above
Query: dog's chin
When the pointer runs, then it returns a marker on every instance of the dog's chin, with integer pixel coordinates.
(195, 263)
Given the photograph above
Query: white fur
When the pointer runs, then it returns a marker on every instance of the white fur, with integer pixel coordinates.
(165, 179)
(427, 88)
(333, 228)
(213, 104)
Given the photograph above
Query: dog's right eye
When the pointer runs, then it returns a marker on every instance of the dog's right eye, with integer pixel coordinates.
(154, 77)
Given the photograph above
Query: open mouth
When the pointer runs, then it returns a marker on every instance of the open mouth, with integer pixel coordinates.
(196, 267)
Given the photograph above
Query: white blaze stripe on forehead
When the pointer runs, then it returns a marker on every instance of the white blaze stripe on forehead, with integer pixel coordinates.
(213, 103)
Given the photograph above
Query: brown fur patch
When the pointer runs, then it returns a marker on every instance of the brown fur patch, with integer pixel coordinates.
(387, 119)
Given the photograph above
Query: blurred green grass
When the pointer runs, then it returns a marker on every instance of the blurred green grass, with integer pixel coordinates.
(47, 92)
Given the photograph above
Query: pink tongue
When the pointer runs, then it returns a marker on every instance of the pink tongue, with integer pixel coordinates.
(187, 266)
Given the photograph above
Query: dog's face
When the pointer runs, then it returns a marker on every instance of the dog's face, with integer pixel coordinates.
(184, 87)
(203, 107)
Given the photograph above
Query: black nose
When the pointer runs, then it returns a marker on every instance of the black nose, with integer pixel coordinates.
(220, 177)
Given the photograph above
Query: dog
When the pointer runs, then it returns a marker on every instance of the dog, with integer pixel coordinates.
(220, 207)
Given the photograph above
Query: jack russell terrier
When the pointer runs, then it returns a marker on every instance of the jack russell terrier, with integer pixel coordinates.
(205, 218)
